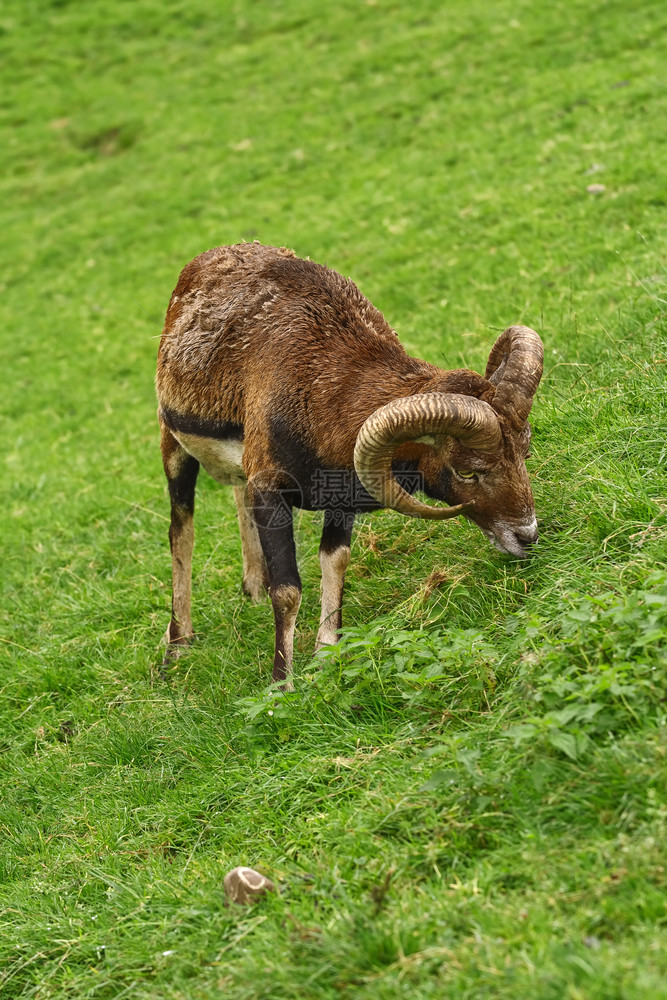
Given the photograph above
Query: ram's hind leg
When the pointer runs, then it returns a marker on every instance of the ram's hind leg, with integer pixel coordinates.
(334, 560)
(255, 573)
(181, 470)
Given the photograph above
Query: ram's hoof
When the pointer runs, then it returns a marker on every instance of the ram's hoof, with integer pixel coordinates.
(256, 587)
(245, 885)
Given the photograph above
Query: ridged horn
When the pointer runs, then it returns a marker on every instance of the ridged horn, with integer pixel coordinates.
(515, 368)
(426, 418)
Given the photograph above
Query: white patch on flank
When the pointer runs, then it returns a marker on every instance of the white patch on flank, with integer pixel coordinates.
(221, 459)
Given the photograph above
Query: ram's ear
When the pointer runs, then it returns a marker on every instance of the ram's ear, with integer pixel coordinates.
(525, 435)
(515, 368)
(495, 377)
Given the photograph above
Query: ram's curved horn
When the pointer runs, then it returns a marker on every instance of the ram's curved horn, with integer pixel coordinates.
(424, 418)
(515, 368)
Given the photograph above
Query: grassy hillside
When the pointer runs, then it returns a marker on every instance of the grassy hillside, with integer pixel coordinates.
(469, 799)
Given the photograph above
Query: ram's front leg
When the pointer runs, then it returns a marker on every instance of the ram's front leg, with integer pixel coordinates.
(273, 517)
(334, 560)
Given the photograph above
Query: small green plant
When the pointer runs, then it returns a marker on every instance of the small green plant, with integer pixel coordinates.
(598, 667)
(376, 673)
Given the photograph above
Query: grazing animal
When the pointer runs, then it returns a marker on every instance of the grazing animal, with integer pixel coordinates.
(279, 377)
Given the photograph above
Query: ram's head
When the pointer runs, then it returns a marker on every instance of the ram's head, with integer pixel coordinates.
(476, 449)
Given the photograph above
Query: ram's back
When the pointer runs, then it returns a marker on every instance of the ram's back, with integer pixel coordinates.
(248, 324)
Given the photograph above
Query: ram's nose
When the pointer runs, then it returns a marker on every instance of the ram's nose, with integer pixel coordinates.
(526, 537)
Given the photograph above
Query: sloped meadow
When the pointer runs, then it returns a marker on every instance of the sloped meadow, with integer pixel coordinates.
(466, 796)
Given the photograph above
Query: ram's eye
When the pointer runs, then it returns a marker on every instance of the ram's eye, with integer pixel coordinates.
(465, 475)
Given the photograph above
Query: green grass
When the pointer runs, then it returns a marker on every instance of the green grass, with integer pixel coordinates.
(468, 799)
